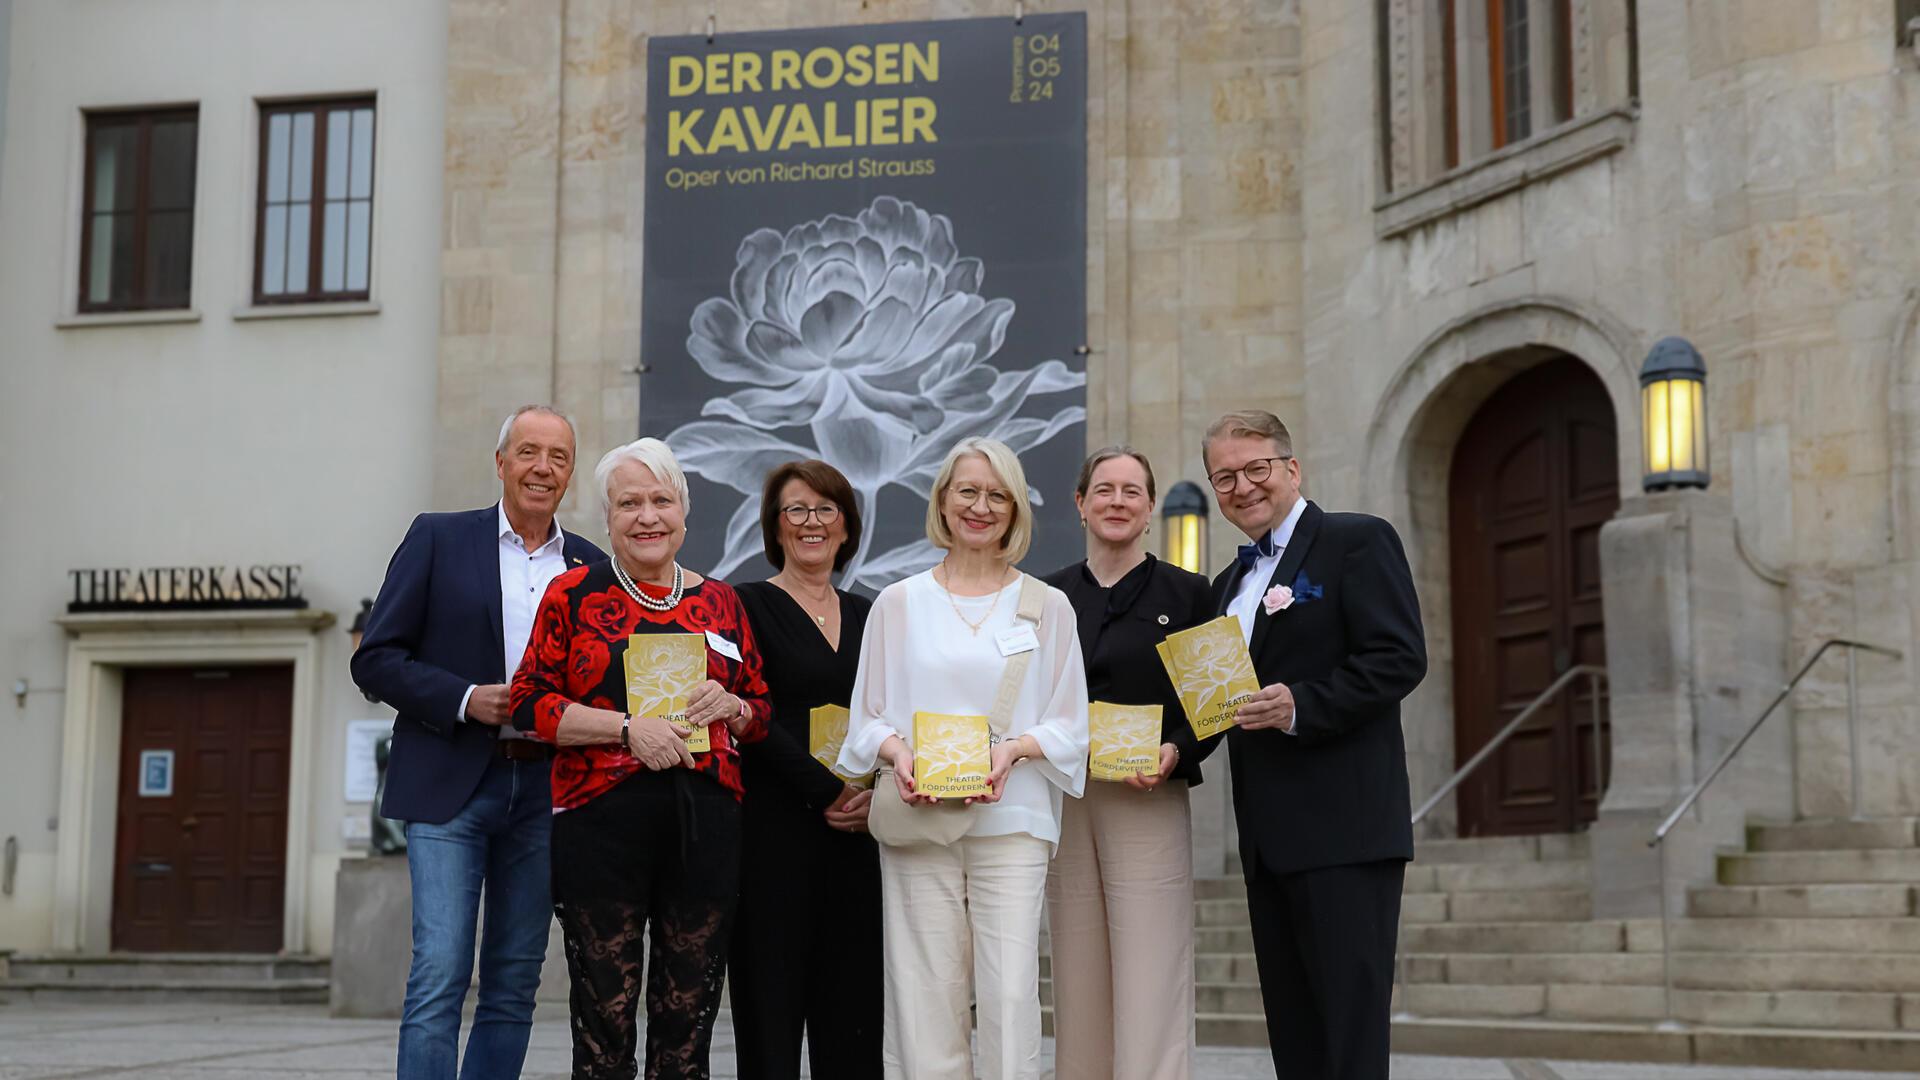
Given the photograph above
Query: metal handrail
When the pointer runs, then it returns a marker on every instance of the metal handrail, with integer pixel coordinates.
(1658, 840)
(1594, 673)
(1593, 670)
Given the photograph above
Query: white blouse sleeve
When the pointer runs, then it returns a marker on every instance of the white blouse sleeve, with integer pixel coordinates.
(1061, 727)
(877, 686)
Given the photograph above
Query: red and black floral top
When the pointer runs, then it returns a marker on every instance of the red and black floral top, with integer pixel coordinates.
(574, 655)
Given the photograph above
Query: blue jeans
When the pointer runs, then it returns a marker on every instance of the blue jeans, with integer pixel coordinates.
(500, 838)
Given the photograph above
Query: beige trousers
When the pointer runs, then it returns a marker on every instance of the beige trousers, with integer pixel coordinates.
(963, 927)
(1120, 906)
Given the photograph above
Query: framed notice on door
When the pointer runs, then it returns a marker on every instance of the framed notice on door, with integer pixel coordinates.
(156, 774)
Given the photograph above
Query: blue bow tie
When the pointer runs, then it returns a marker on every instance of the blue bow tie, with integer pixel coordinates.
(1248, 554)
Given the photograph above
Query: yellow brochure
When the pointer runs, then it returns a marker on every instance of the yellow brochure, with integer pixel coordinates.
(1125, 740)
(662, 670)
(1212, 672)
(826, 733)
(951, 755)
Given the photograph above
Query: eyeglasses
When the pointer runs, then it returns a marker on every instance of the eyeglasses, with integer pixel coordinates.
(997, 501)
(1256, 472)
(825, 513)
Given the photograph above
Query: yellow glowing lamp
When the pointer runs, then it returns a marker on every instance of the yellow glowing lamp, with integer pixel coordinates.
(1673, 406)
(1184, 518)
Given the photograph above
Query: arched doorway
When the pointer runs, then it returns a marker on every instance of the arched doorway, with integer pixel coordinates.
(1534, 476)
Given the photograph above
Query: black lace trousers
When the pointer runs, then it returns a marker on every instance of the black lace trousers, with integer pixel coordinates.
(644, 880)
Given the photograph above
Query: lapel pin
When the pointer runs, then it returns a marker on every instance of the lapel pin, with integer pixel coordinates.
(1163, 620)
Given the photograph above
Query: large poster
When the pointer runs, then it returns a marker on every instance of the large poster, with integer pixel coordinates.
(863, 244)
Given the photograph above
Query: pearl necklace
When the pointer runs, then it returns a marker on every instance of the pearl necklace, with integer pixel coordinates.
(672, 599)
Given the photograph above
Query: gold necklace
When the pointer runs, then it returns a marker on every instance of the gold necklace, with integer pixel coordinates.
(955, 605)
(793, 590)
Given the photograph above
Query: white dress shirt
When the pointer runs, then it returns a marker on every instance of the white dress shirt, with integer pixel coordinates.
(524, 577)
(918, 656)
(1253, 584)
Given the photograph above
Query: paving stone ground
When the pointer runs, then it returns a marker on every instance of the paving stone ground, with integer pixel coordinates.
(214, 1042)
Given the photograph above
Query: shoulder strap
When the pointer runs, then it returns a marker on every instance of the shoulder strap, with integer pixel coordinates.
(1033, 599)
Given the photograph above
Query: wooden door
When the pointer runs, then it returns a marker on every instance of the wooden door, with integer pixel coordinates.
(1534, 477)
(200, 857)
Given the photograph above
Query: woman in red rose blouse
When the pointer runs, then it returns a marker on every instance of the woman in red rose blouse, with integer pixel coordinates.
(646, 835)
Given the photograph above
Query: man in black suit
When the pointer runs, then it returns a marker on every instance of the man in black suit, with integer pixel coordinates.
(441, 643)
(1318, 763)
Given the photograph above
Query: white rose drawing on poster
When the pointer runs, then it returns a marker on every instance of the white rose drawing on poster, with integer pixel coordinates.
(871, 333)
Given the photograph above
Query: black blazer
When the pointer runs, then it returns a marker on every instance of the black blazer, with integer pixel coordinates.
(434, 631)
(1118, 630)
(1334, 792)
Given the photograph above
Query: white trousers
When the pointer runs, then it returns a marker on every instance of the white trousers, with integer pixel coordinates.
(963, 925)
(1120, 904)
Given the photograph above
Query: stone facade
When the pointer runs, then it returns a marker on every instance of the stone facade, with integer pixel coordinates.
(1747, 175)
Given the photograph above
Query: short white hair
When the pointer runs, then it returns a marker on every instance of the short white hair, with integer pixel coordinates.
(651, 452)
(1005, 465)
(506, 426)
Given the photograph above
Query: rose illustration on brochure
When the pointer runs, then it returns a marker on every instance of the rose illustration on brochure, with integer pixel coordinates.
(871, 335)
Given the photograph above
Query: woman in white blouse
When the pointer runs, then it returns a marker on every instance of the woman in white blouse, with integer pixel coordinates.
(962, 919)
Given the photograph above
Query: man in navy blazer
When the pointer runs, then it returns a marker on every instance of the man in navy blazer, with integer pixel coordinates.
(1319, 765)
(441, 644)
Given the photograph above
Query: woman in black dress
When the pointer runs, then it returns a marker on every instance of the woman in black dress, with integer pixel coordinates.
(807, 942)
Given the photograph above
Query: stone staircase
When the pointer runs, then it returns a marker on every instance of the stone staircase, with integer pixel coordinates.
(1806, 952)
(213, 978)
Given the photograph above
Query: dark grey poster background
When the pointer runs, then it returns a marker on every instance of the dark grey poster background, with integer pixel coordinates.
(745, 367)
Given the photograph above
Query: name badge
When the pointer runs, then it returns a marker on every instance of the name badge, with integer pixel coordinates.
(722, 646)
(1016, 639)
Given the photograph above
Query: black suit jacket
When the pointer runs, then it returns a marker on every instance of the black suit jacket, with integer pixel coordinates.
(434, 631)
(1334, 792)
(1118, 630)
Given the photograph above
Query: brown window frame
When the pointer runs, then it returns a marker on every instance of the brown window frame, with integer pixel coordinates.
(1497, 75)
(321, 108)
(1450, 82)
(1563, 104)
(144, 120)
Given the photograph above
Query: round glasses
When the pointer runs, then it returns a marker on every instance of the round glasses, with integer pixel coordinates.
(997, 501)
(825, 514)
(1256, 472)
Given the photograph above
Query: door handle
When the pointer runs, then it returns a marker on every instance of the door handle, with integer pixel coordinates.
(189, 823)
(152, 868)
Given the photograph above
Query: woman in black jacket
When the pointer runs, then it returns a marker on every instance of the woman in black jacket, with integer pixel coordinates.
(1120, 888)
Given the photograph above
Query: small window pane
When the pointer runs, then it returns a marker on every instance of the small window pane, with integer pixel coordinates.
(279, 134)
(169, 256)
(333, 249)
(100, 260)
(299, 245)
(362, 187)
(359, 231)
(302, 157)
(116, 166)
(118, 279)
(173, 161)
(339, 146)
(273, 251)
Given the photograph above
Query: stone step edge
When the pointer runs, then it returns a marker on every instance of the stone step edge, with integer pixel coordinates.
(188, 986)
(1657, 1044)
(208, 959)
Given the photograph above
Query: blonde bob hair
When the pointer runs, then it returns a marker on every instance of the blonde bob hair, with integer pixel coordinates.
(1006, 467)
(651, 452)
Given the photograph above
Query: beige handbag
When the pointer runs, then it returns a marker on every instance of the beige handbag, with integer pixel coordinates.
(891, 820)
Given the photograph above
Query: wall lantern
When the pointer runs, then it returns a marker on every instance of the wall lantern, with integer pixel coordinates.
(359, 630)
(1184, 515)
(1673, 408)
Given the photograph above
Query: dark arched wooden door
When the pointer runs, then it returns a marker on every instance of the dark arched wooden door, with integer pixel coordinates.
(1534, 477)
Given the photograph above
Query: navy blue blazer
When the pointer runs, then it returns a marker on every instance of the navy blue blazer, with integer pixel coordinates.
(434, 631)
